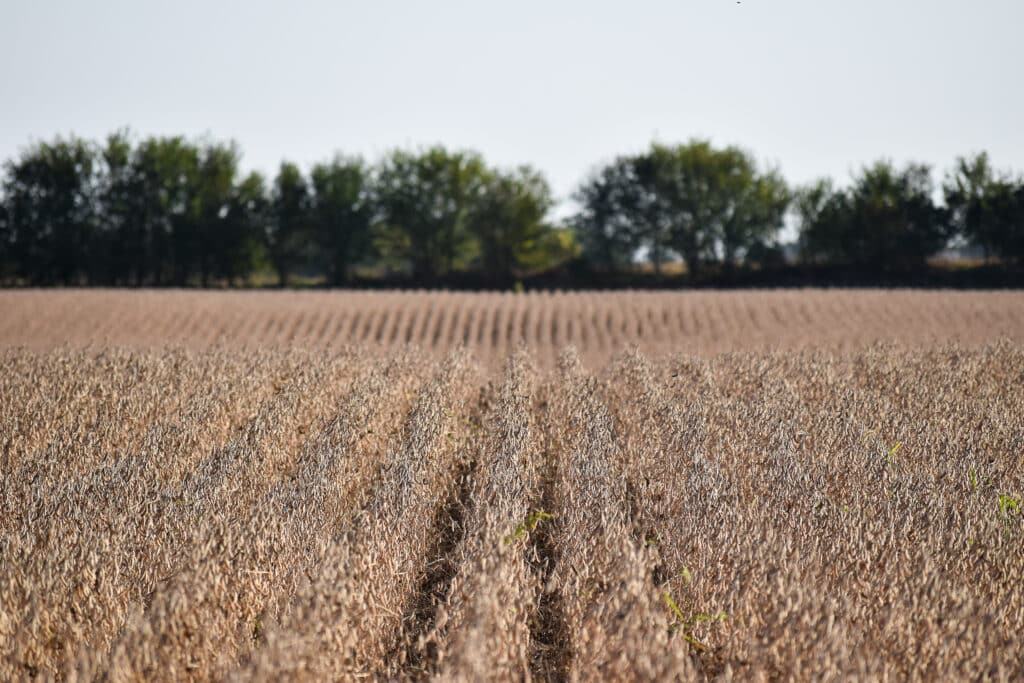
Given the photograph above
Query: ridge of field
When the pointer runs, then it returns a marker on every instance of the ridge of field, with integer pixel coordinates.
(296, 514)
(598, 324)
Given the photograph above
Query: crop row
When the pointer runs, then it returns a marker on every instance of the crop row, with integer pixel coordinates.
(313, 515)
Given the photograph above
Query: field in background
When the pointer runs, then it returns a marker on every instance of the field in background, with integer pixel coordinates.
(492, 324)
(182, 501)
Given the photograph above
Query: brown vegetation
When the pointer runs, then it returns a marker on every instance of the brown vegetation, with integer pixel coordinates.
(222, 513)
(492, 325)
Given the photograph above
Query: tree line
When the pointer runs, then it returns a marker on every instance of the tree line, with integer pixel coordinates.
(169, 211)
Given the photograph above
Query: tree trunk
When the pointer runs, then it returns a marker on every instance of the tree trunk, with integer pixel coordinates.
(692, 259)
(339, 274)
(282, 275)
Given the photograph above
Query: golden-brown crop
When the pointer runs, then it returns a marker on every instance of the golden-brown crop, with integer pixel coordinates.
(258, 514)
(493, 324)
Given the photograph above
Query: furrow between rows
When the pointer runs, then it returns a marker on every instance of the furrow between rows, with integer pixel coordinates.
(350, 611)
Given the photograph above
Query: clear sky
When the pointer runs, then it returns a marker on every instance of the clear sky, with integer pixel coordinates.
(818, 87)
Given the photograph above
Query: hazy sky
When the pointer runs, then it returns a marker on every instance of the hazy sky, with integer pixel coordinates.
(816, 86)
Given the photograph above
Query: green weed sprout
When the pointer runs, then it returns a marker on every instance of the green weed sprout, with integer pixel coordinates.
(684, 624)
(528, 525)
(686, 576)
(1008, 505)
(891, 457)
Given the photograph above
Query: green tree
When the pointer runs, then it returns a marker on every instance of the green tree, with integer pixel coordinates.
(166, 177)
(609, 225)
(171, 211)
(243, 229)
(289, 230)
(686, 179)
(50, 198)
(213, 239)
(754, 208)
(342, 215)
(986, 207)
(819, 211)
(510, 221)
(122, 211)
(887, 219)
(650, 202)
(1015, 236)
(693, 200)
(557, 246)
(425, 201)
(6, 263)
(717, 202)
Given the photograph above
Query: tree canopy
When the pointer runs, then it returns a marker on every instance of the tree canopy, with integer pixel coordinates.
(173, 211)
(693, 201)
(986, 206)
(885, 219)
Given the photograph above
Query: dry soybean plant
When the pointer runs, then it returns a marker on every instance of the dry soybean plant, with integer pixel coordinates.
(345, 514)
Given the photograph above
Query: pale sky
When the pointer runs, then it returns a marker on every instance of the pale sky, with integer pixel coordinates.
(817, 87)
